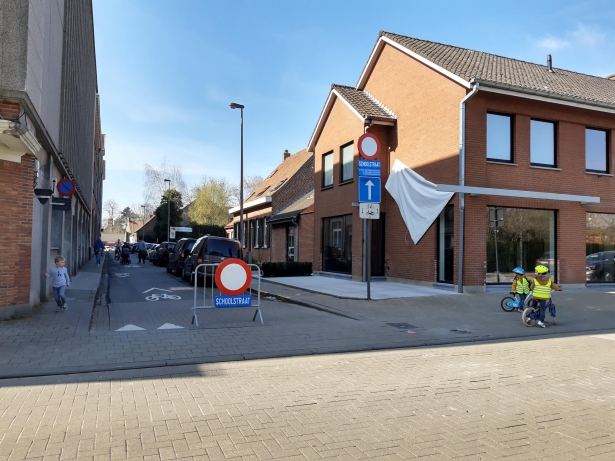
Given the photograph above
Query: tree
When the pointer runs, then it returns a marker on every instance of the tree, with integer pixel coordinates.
(112, 208)
(250, 183)
(154, 185)
(212, 202)
(127, 215)
(161, 227)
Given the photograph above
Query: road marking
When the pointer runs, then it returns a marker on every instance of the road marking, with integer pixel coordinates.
(123, 274)
(169, 326)
(157, 296)
(130, 327)
(161, 289)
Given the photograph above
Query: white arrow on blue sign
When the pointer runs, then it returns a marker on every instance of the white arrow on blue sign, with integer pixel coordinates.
(369, 189)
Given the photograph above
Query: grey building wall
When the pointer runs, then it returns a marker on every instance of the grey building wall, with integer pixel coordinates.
(13, 43)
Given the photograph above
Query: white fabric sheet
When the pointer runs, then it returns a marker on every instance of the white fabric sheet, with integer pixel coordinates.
(418, 200)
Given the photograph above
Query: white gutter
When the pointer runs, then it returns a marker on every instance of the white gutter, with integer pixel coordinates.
(252, 204)
(462, 181)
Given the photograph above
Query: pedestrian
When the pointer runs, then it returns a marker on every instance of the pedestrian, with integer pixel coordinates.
(59, 281)
(142, 248)
(99, 247)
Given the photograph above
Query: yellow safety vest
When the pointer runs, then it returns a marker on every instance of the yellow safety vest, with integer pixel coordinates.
(522, 286)
(542, 291)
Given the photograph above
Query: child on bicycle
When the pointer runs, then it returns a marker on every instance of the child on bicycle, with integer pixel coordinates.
(541, 288)
(520, 286)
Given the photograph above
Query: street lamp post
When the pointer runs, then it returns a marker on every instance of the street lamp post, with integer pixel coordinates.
(234, 105)
(168, 211)
(143, 225)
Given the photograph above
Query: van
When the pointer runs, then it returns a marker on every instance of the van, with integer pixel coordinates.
(209, 250)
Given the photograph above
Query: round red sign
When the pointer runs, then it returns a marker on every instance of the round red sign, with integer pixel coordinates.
(66, 187)
(233, 276)
(369, 146)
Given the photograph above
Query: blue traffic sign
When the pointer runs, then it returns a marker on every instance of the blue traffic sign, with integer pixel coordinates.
(233, 301)
(369, 164)
(369, 189)
(369, 171)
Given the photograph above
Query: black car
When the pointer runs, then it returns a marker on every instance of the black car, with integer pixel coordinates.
(210, 250)
(178, 256)
(161, 255)
(600, 267)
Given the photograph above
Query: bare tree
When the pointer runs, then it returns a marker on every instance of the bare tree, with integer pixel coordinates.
(112, 208)
(250, 183)
(154, 186)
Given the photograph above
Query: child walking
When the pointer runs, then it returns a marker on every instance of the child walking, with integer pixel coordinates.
(59, 281)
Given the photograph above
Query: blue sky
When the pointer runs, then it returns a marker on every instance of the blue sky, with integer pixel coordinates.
(167, 70)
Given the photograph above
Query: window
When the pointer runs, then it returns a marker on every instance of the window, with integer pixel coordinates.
(337, 244)
(253, 233)
(272, 173)
(290, 252)
(525, 238)
(267, 235)
(542, 143)
(347, 162)
(596, 154)
(499, 137)
(327, 169)
(260, 231)
(263, 191)
(278, 185)
(446, 246)
(600, 248)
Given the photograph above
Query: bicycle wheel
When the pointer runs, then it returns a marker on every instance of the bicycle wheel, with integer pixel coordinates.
(525, 317)
(504, 304)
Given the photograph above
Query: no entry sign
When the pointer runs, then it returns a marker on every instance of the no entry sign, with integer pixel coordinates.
(369, 146)
(66, 187)
(233, 276)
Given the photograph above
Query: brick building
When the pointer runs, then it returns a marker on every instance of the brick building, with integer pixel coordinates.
(525, 144)
(278, 216)
(49, 130)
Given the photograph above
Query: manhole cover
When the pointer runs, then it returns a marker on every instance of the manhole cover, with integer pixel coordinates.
(461, 331)
(401, 326)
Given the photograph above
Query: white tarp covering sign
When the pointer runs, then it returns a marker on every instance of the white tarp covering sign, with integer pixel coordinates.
(418, 200)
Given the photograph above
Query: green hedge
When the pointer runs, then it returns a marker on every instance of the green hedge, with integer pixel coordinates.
(290, 269)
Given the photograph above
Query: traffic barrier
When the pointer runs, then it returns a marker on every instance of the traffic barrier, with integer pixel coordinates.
(233, 278)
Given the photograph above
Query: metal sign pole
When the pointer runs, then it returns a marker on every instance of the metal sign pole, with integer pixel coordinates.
(497, 264)
(368, 260)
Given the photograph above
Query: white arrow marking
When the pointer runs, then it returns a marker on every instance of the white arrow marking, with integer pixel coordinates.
(161, 289)
(169, 326)
(130, 327)
(369, 185)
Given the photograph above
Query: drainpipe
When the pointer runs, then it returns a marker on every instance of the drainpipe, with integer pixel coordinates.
(296, 238)
(462, 179)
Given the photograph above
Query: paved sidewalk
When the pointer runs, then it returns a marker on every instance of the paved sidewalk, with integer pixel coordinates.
(53, 343)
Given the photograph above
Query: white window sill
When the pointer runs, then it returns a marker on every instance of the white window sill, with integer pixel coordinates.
(493, 162)
(545, 168)
(598, 174)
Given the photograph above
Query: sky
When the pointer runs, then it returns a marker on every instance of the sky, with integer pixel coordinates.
(168, 70)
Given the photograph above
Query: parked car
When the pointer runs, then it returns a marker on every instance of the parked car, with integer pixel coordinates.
(161, 255)
(600, 267)
(151, 249)
(209, 250)
(546, 260)
(178, 256)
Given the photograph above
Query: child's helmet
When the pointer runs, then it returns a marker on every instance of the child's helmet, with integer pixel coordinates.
(541, 269)
(519, 270)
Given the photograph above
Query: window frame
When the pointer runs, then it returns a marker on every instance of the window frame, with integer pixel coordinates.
(342, 179)
(555, 144)
(324, 172)
(512, 137)
(607, 149)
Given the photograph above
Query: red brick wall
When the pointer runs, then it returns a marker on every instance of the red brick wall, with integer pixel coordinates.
(278, 244)
(569, 178)
(16, 191)
(306, 237)
(9, 109)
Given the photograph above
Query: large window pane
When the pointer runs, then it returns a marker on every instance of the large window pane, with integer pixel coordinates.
(347, 162)
(446, 248)
(525, 238)
(600, 247)
(337, 244)
(499, 137)
(595, 150)
(542, 143)
(327, 177)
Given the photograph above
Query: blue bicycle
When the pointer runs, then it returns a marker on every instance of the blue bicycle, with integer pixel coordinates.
(512, 303)
(530, 315)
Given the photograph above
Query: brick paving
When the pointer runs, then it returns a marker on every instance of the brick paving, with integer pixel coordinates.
(547, 399)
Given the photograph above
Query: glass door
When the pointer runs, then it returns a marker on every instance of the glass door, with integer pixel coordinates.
(446, 249)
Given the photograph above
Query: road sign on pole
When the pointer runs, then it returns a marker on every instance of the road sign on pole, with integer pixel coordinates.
(369, 189)
(369, 210)
(66, 187)
(369, 146)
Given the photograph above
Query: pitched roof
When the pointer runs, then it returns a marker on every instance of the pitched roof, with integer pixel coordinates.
(509, 73)
(294, 209)
(282, 173)
(364, 103)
